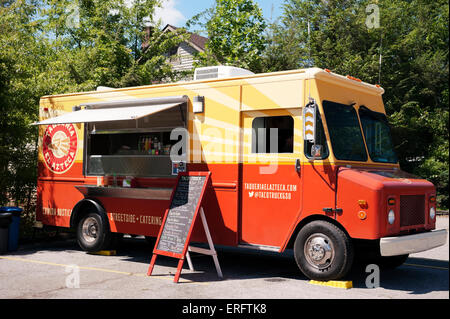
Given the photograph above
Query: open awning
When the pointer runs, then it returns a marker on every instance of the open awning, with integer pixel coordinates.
(115, 111)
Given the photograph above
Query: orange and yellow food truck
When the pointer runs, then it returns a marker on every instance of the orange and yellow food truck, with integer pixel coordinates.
(298, 160)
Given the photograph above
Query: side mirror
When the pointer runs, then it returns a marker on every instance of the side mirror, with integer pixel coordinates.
(309, 122)
(316, 151)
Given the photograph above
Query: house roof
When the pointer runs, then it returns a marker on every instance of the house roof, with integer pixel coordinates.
(196, 41)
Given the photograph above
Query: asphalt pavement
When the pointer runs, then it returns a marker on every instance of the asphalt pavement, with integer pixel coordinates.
(58, 269)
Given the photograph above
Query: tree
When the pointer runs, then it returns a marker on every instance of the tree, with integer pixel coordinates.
(18, 96)
(235, 29)
(412, 38)
(106, 38)
(53, 47)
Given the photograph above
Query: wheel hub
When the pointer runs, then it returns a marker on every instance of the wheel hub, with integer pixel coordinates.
(90, 229)
(319, 251)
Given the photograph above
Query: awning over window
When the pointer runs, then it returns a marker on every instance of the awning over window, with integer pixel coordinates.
(115, 111)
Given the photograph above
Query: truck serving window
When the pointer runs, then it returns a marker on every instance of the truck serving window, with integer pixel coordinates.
(274, 134)
(378, 136)
(139, 147)
(345, 133)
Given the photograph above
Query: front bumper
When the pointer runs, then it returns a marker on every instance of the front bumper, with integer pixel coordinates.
(409, 244)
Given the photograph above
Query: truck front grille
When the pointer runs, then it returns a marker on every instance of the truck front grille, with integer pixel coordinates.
(412, 210)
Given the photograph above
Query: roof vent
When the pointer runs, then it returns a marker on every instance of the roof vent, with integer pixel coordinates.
(219, 72)
(104, 88)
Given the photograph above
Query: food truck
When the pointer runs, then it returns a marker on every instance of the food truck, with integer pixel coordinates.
(299, 159)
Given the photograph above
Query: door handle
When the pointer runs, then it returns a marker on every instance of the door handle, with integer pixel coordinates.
(297, 166)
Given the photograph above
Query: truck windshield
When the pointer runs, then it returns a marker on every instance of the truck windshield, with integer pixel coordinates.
(345, 132)
(378, 136)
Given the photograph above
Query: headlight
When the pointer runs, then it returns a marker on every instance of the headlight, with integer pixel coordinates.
(391, 217)
(432, 212)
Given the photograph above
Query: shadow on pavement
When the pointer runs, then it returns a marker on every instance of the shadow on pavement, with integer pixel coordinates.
(417, 276)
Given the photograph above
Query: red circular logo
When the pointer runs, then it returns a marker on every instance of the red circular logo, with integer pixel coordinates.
(59, 147)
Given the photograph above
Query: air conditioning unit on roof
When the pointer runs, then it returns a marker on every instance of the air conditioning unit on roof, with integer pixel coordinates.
(219, 72)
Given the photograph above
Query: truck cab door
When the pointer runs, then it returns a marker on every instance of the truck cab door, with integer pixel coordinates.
(271, 191)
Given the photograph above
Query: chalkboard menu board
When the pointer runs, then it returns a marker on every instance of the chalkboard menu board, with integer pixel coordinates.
(174, 235)
(179, 219)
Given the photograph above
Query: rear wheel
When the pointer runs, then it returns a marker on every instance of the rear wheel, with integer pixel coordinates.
(323, 251)
(93, 233)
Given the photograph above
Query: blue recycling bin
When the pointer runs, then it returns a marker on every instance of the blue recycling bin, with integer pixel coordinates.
(5, 221)
(13, 230)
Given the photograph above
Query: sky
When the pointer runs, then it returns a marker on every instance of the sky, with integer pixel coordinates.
(177, 12)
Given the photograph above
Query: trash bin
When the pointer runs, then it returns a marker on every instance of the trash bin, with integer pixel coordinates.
(5, 221)
(13, 229)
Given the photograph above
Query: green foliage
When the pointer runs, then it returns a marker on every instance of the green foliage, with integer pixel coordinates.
(412, 38)
(106, 38)
(52, 47)
(18, 92)
(234, 29)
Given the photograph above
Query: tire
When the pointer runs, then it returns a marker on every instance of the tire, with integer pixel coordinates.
(323, 251)
(93, 233)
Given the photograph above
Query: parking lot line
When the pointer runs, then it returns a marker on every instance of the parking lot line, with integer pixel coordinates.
(426, 266)
(97, 269)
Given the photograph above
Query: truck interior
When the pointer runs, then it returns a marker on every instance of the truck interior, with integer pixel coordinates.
(134, 147)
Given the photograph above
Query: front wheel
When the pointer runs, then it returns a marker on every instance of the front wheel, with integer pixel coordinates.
(323, 251)
(92, 233)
